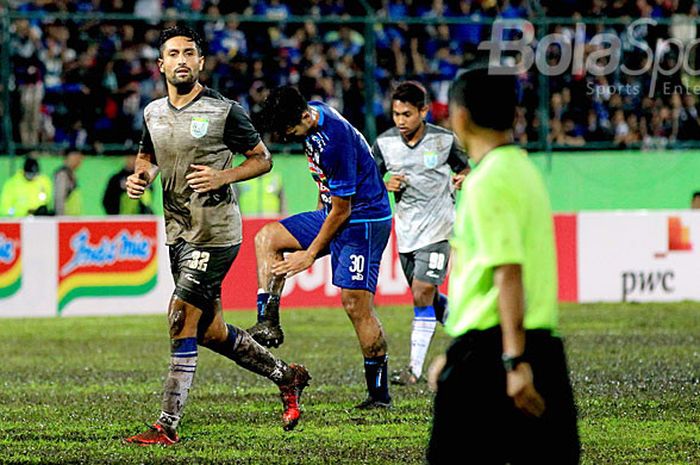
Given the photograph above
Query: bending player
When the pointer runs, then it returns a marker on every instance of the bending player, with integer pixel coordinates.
(421, 159)
(353, 225)
(190, 137)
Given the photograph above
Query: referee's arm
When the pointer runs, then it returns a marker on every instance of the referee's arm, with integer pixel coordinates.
(511, 308)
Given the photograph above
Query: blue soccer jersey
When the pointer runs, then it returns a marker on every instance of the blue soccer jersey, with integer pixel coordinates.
(341, 163)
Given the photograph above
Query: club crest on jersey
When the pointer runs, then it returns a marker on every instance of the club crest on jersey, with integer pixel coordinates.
(430, 159)
(199, 126)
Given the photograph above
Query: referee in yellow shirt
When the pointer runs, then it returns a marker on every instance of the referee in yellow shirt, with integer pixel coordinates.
(504, 394)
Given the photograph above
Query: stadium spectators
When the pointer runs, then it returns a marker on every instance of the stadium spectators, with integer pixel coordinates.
(84, 83)
(66, 194)
(116, 200)
(26, 193)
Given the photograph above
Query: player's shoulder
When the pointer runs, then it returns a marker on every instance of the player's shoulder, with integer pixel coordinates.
(391, 133)
(217, 99)
(434, 129)
(155, 105)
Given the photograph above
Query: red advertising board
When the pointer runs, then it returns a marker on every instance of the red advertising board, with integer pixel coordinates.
(565, 229)
(313, 287)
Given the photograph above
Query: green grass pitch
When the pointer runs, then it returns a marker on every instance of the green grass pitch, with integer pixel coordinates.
(72, 388)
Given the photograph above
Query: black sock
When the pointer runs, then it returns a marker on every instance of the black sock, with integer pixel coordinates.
(376, 376)
(268, 308)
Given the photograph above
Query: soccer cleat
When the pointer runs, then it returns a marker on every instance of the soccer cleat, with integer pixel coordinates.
(154, 435)
(267, 334)
(404, 377)
(370, 403)
(291, 396)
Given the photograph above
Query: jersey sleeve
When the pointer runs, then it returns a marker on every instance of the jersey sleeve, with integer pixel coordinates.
(342, 169)
(496, 225)
(379, 158)
(240, 135)
(457, 159)
(146, 144)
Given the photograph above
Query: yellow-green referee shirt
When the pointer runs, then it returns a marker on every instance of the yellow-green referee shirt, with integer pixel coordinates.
(503, 217)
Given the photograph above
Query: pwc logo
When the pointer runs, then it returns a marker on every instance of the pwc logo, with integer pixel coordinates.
(636, 283)
(678, 238)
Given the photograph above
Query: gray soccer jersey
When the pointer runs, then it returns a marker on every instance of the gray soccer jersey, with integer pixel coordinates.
(425, 208)
(207, 131)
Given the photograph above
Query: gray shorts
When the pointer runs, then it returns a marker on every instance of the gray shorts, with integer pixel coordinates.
(428, 264)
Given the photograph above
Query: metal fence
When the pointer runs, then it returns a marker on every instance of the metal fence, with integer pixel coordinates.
(542, 85)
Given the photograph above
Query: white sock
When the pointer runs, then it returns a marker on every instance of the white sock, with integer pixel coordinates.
(422, 330)
(183, 364)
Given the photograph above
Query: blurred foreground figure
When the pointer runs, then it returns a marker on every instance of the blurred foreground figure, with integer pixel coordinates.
(504, 394)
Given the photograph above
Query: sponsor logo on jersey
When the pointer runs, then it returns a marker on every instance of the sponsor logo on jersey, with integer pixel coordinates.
(430, 159)
(199, 126)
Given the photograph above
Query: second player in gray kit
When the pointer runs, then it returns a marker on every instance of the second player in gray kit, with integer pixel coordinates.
(426, 165)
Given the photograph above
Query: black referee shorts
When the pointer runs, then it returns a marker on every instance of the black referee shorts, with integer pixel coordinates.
(475, 422)
(199, 271)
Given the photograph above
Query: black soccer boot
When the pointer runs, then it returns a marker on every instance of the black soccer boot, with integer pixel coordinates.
(267, 331)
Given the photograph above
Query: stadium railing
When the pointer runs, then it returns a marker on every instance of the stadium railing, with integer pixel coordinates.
(366, 24)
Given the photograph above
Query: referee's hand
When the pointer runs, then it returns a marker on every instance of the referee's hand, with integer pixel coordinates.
(521, 389)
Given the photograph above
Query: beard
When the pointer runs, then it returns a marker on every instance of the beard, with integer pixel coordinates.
(183, 84)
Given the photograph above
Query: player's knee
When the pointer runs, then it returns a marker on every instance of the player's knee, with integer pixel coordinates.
(177, 317)
(355, 306)
(264, 239)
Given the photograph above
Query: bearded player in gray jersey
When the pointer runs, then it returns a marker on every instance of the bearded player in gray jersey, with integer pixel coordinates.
(190, 137)
(421, 159)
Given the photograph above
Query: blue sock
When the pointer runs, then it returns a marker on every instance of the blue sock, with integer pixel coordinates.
(376, 376)
(424, 312)
(262, 302)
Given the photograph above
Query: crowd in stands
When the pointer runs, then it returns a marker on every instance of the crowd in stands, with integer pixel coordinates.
(84, 83)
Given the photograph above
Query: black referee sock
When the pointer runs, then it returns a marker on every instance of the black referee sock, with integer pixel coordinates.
(376, 369)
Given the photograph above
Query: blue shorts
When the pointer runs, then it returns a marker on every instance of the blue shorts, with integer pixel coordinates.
(356, 250)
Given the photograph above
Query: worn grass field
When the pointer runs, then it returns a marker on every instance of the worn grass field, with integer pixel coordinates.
(72, 388)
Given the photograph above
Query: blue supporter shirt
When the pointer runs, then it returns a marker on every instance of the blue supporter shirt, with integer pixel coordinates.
(341, 163)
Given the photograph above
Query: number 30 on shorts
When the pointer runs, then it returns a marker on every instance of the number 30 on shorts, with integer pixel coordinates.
(199, 261)
(358, 263)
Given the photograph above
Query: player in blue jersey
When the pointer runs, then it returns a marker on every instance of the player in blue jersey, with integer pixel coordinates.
(353, 224)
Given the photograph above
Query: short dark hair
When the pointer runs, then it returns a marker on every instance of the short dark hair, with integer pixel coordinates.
(181, 31)
(31, 166)
(696, 194)
(411, 92)
(490, 98)
(282, 110)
